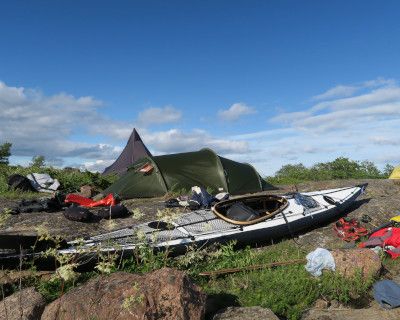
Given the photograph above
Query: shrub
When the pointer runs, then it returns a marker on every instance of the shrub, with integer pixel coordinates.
(340, 168)
(70, 180)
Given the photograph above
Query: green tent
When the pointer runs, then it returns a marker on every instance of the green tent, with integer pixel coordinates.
(155, 176)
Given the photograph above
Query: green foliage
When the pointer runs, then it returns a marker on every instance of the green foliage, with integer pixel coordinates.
(340, 168)
(54, 288)
(5, 152)
(286, 290)
(38, 162)
(387, 170)
(70, 179)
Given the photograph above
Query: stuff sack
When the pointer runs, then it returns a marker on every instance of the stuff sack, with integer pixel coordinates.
(112, 212)
(76, 213)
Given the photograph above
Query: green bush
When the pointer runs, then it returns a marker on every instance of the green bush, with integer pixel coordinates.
(70, 179)
(340, 168)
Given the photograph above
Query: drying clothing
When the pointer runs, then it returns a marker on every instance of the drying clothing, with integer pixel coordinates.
(387, 238)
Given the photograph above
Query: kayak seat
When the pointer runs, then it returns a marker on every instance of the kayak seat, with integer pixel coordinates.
(240, 212)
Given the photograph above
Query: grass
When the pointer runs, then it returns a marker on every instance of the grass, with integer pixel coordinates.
(287, 290)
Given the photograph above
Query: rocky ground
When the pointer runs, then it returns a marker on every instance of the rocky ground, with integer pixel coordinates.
(381, 202)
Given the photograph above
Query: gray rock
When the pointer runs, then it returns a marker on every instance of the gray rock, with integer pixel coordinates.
(165, 294)
(321, 304)
(371, 313)
(27, 304)
(242, 313)
(351, 261)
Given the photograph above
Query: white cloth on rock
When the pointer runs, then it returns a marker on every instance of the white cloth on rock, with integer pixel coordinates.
(318, 260)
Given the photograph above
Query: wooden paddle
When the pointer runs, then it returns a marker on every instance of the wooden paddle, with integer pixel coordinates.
(253, 267)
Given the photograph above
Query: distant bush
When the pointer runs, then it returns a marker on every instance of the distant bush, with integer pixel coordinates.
(340, 168)
(5, 152)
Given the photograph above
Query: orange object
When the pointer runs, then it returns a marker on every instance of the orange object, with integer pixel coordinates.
(146, 168)
(87, 202)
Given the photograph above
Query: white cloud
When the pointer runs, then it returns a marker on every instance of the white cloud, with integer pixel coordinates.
(235, 111)
(56, 127)
(379, 103)
(175, 140)
(343, 91)
(362, 127)
(382, 140)
(96, 166)
(167, 114)
(43, 125)
(337, 92)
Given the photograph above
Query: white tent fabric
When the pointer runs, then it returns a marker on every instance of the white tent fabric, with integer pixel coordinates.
(42, 182)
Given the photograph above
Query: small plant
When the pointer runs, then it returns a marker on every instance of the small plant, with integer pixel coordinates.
(4, 216)
(137, 214)
(131, 300)
(106, 263)
(167, 215)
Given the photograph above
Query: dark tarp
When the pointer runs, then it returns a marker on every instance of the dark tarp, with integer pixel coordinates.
(181, 171)
(133, 151)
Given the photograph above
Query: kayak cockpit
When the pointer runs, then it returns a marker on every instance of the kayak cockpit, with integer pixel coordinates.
(250, 209)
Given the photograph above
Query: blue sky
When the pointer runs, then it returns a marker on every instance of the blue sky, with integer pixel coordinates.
(265, 82)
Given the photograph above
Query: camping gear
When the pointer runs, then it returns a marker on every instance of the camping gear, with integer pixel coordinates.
(318, 260)
(77, 213)
(172, 203)
(87, 202)
(203, 227)
(393, 222)
(133, 151)
(222, 196)
(37, 205)
(42, 182)
(113, 212)
(181, 171)
(387, 238)
(19, 182)
(387, 294)
(252, 268)
(349, 229)
(395, 173)
(247, 210)
(200, 199)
